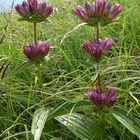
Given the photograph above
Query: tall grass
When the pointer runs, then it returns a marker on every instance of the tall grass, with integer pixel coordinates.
(68, 71)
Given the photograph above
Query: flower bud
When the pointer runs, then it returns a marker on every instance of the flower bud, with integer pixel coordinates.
(98, 12)
(98, 47)
(33, 11)
(32, 52)
(101, 99)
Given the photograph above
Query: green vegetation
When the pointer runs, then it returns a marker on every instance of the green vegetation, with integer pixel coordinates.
(67, 74)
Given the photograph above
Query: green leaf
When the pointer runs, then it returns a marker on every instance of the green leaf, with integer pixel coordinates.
(56, 139)
(38, 122)
(66, 107)
(18, 70)
(79, 125)
(129, 121)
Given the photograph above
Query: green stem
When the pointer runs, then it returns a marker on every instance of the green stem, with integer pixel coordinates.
(40, 78)
(38, 66)
(35, 33)
(103, 126)
(99, 81)
(98, 30)
(98, 76)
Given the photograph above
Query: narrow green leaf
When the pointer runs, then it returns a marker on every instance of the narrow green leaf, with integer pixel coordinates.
(129, 121)
(66, 107)
(79, 125)
(18, 70)
(38, 122)
(56, 139)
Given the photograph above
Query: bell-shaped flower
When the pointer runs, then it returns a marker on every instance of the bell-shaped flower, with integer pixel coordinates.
(97, 47)
(32, 52)
(33, 11)
(99, 12)
(100, 99)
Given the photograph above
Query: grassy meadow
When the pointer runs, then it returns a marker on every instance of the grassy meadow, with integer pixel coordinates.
(67, 74)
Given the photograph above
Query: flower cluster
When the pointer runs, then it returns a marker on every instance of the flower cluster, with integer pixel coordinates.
(100, 99)
(33, 11)
(97, 47)
(33, 52)
(98, 12)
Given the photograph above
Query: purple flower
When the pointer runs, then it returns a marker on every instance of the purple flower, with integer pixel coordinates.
(32, 52)
(100, 99)
(99, 11)
(33, 11)
(97, 48)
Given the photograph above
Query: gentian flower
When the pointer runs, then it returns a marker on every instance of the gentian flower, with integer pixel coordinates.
(32, 52)
(97, 47)
(33, 11)
(98, 12)
(100, 99)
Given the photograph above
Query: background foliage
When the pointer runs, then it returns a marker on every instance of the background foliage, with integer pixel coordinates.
(68, 73)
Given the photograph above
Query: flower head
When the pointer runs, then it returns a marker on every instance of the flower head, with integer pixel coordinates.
(33, 11)
(32, 52)
(98, 12)
(100, 99)
(97, 47)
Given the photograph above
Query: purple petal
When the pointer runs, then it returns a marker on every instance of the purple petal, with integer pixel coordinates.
(30, 51)
(111, 92)
(19, 8)
(98, 90)
(43, 49)
(91, 95)
(101, 100)
(99, 7)
(33, 5)
(80, 13)
(90, 9)
(97, 41)
(111, 101)
(107, 8)
(39, 8)
(115, 11)
(26, 6)
(47, 11)
(111, 98)
(98, 52)
(87, 47)
(106, 44)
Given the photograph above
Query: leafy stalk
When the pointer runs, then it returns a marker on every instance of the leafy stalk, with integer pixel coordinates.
(38, 65)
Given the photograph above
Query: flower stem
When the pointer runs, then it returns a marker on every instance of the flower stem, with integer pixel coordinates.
(98, 76)
(38, 65)
(98, 30)
(35, 33)
(40, 77)
(103, 126)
